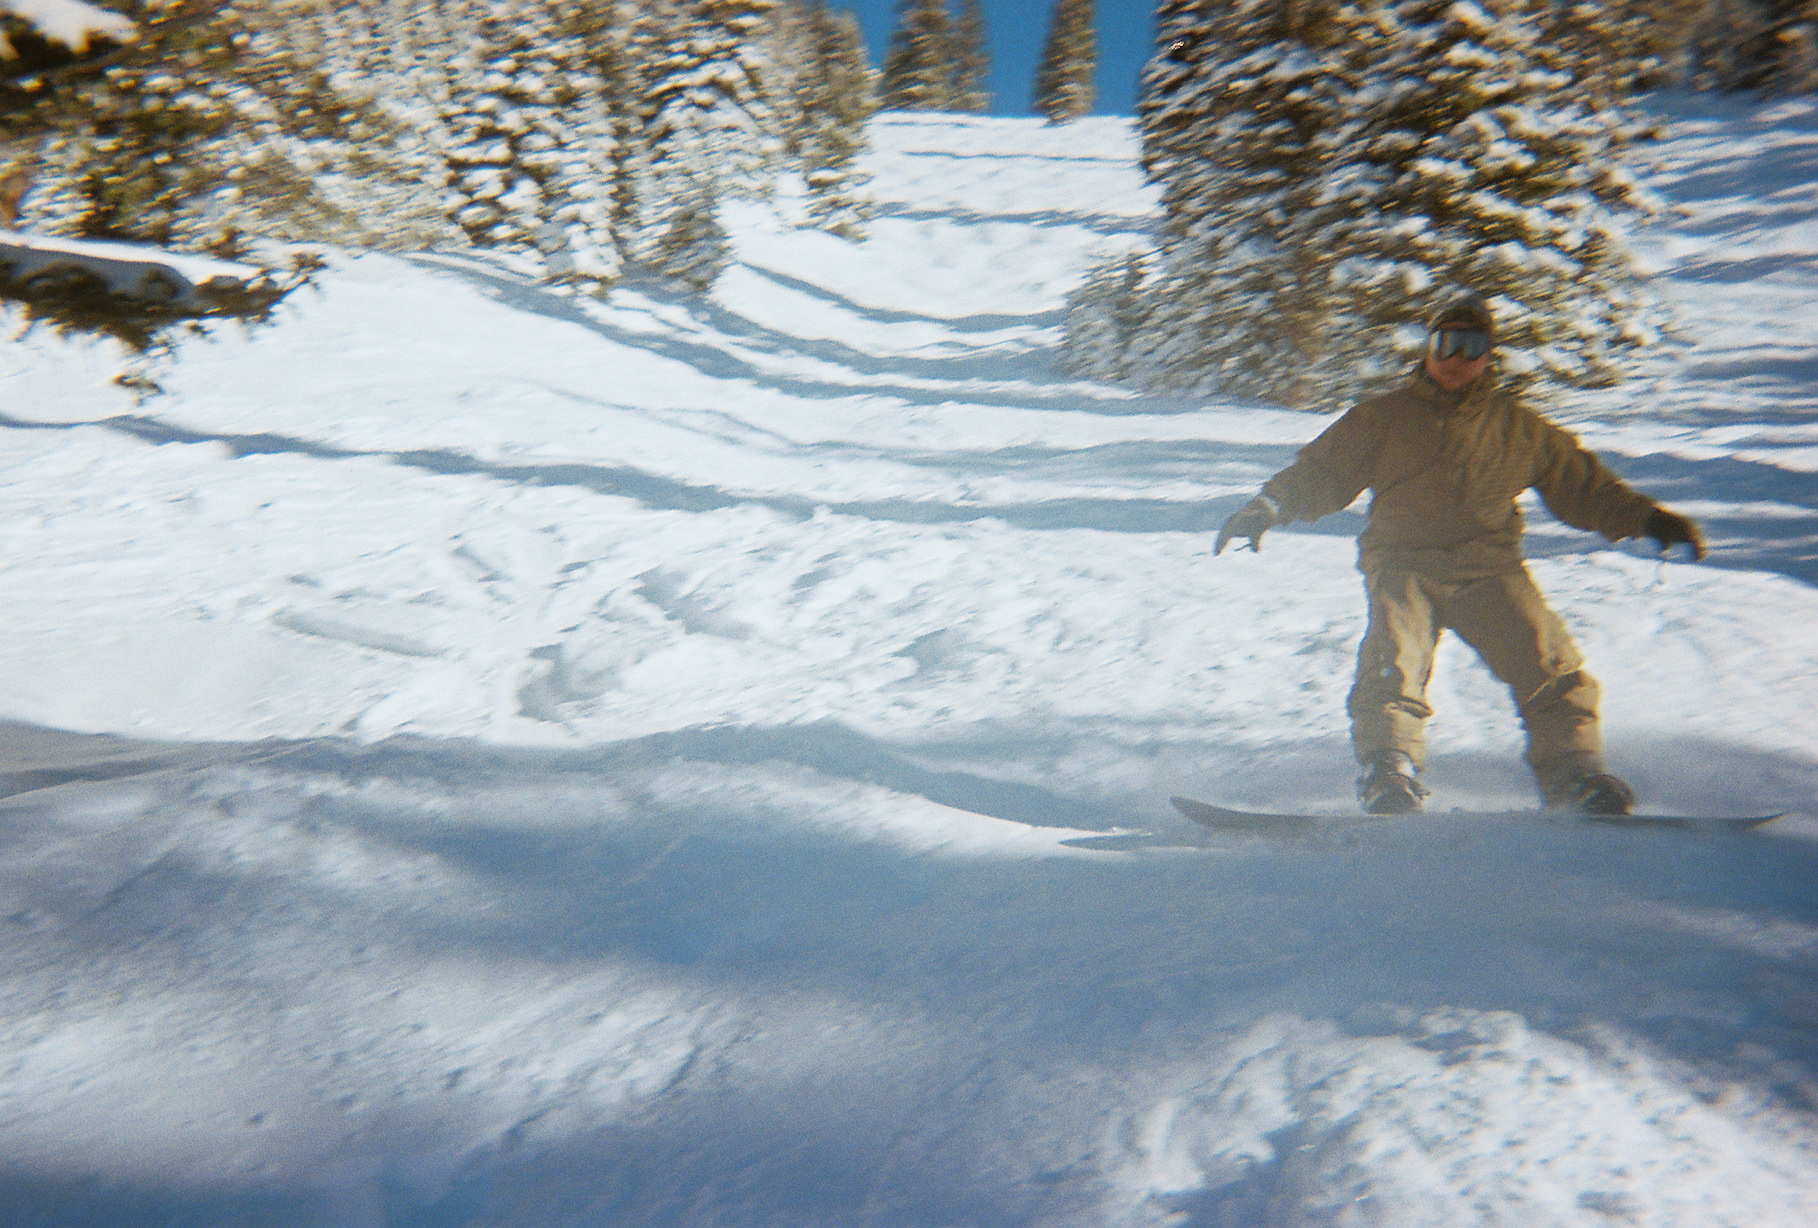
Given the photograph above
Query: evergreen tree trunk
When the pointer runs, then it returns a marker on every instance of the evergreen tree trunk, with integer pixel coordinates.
(613, 47)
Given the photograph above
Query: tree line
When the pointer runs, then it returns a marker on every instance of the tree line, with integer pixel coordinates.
(938, 61)
(1323, 164)
(594, 139)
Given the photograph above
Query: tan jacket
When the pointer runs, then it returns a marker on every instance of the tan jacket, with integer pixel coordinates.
(1446, 469)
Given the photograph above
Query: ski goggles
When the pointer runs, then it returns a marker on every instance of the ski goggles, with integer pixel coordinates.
(1466, 343)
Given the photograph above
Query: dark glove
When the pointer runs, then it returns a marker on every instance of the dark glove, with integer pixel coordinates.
(1671, 529)
(1251, 520)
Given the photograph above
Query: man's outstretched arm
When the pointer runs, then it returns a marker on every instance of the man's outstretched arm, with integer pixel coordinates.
(1327, 476)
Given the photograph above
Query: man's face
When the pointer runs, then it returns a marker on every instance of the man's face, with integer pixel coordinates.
(1456, 356)
(1455, 372)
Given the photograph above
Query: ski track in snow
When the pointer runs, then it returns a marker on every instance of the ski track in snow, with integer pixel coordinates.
(475, 757)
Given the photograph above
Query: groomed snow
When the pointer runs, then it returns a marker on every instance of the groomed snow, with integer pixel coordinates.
(483, 757)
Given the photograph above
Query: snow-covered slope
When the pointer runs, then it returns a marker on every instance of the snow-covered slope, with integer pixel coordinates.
(483, 758)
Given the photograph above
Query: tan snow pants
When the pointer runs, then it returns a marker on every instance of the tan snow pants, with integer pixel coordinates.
(1508, 622)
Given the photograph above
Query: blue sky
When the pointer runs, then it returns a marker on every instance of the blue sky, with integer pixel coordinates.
(1016, 29)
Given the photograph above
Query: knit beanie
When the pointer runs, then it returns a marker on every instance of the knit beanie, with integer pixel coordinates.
(1465, 310)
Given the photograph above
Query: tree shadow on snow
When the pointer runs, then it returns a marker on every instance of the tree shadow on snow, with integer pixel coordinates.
(34, 1200)
(1111, 225)
(935, 380)
(1752, 537)
(658, 492)
(986, 978)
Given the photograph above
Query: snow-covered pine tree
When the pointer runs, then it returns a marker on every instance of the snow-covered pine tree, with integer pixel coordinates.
(617, 40)
(712, 132)
(918, 68)
(836, 98)
(710, 99)
(428, 44)
(1779, 54)
(1619, 47)
(1714, 47)
(394, 55)
(788, 48)
(1328, 168)
(204, 130)
(580, 245)
(689, 247)
(522, 174)
(37, 43)
(486, 123)
(971, 61)
(1102, 328)
(1766, 46)
(1246, 116)
(1489, 165)
(1064, 78)
(1173, 100)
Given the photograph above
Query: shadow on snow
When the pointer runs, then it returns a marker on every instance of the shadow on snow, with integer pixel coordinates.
(938, 379)
(1087, 957)
(661, 493)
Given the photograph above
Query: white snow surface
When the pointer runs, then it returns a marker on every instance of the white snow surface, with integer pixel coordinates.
(479, 756)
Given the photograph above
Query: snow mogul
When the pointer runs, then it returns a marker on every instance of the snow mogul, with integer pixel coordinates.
(1446, 455)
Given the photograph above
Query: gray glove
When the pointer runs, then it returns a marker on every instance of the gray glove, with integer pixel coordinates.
(1251, 520)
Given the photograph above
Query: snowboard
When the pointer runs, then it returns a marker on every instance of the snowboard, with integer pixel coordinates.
(1215, 825)
(1219, 818)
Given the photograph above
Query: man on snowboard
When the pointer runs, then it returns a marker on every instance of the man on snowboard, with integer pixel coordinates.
(1446, 455)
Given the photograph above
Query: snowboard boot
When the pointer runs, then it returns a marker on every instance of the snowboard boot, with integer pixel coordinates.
(1389, 785)
(1598, 794)
(1582, 784)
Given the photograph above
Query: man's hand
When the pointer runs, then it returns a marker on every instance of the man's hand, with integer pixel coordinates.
(1671, 529)
(1251, 520)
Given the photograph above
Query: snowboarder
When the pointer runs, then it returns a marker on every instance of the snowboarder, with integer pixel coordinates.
(1447, 454)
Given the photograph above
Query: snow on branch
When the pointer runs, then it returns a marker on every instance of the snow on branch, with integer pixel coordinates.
(124, 270)
(69, 22)
(132, 290)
